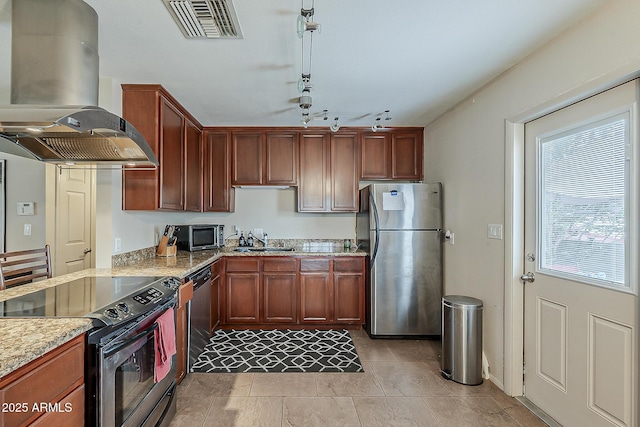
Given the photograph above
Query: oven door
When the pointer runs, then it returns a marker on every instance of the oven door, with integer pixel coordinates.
(128, 395)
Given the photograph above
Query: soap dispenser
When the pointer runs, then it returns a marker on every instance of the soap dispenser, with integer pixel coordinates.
(241, 241)
(250, 240)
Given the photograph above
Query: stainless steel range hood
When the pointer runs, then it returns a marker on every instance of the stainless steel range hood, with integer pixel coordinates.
(72, 136)
(54, 90)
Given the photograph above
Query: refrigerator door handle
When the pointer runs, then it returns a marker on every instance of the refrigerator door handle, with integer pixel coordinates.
(374, 208)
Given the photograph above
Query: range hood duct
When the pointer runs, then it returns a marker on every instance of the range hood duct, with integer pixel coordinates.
(53, 115)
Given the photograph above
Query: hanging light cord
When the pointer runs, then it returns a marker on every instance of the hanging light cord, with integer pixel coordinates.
(310, 40)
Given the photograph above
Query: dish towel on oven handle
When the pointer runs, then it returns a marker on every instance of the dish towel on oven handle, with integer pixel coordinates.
(165, 343)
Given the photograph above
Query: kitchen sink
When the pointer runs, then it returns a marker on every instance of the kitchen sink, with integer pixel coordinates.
(269, 249)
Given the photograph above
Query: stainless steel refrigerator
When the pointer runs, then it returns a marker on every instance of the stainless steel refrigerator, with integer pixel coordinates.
(400, 225)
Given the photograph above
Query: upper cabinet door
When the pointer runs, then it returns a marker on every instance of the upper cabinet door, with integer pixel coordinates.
(375, 156)
(193, 167)
(344, 172)
(281, 155)
(218, 193)
(313, 186)
(407, 156)
(171, 157)
(247, 158)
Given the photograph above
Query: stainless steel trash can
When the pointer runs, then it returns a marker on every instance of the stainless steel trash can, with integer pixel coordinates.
(462, 339)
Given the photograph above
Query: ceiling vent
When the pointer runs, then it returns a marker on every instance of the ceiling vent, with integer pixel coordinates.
(205, 19)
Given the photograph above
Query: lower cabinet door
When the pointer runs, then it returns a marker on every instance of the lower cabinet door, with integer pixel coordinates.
(349, 297)
(243, 297)
(280, 298)
(315, 297)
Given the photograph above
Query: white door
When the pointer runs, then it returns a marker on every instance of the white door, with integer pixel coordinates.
(74, 216)
(581, 244)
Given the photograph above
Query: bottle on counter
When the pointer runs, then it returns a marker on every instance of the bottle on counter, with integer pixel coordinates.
(250, 240)
(241, 240)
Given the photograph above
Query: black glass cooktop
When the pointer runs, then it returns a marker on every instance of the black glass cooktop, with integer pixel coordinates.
(76, 298)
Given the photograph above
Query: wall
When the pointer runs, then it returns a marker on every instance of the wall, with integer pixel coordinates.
(273, 210)
(21, 174)
(465, 149)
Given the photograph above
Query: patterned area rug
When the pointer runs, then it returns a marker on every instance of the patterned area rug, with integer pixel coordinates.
(279, 351)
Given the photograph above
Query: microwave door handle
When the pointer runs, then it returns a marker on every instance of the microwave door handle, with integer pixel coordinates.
(119, 345)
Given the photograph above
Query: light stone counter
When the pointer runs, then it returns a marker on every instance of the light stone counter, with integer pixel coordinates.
(24, 340)
(27, 339)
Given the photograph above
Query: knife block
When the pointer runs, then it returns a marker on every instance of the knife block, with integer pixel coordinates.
(164, 250)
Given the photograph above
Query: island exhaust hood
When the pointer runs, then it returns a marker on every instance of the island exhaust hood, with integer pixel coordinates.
(53, 115)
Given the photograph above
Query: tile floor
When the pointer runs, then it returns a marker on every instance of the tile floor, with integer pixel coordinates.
(401, 386)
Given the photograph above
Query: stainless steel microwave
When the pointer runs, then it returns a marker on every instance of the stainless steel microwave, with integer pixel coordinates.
(199, 237)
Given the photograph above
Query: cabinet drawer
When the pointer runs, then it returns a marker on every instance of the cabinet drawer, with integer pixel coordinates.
(315, 264)
(279, 264)
(349, 265)
(242, 264)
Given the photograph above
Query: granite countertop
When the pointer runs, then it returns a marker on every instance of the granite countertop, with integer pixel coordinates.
(24, 340)
(27, 339)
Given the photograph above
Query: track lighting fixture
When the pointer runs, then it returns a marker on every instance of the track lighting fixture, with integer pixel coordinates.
(306, 118)
(377, 125)
(335, 127)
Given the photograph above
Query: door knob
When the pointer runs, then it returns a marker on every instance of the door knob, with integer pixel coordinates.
(528, 277)
(86, 251)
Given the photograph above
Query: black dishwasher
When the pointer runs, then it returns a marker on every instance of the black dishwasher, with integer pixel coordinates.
(200, 313)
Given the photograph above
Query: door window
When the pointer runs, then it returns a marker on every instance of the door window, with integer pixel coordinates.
(583, 208)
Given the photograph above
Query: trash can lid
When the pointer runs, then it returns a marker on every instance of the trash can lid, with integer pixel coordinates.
(461, 301)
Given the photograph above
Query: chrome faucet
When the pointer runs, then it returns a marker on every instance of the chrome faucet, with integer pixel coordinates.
(264, 240)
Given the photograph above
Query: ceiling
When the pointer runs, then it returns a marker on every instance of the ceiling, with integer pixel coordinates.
(417, 58)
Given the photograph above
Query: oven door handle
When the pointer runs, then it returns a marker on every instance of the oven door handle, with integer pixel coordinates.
(119, 345)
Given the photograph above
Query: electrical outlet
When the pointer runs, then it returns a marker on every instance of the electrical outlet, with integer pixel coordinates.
(259, 232)
(117, 244)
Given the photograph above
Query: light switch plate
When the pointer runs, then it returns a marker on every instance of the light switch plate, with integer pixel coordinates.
(494, 231)
(117, 244)
(27, 229)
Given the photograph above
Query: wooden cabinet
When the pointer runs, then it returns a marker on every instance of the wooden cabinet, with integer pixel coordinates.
(242, 290)
(294, 290)
(260, 290)
(332, 290)
(185, 293)
(279, 280)
(176, 139)
(328, 179)
(215, 295)
(348, 288)
(219, 196)
(393, 154)
(264, 157)
(315, 291)
(193, 164)
(55, 379)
